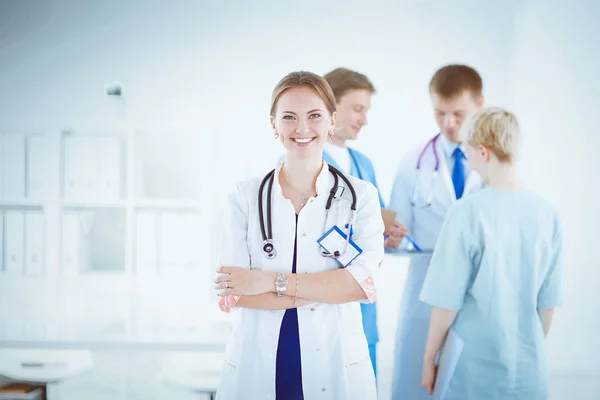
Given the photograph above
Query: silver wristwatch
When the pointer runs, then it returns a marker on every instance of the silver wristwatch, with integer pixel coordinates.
(281, 284)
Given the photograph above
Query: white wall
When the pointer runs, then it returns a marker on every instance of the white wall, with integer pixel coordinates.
(554, 90)
(210, 67)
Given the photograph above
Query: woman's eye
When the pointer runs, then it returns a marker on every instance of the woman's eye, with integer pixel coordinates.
(313, 116)
(288, 117)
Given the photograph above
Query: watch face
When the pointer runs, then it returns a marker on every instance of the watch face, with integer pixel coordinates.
(280, 283)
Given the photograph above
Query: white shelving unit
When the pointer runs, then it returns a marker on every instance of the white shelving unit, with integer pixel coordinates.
(120, 203)
(23, 229)
(103, 231)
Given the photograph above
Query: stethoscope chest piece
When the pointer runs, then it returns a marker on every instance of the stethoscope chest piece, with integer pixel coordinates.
(269, 249)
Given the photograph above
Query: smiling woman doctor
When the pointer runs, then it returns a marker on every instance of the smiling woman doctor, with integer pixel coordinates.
(298, 331)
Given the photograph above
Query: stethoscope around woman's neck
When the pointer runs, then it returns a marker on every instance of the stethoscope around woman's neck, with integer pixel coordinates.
(267, 231)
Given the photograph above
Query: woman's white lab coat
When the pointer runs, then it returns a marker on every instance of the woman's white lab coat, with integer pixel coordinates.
(334, 352)
(424, 224)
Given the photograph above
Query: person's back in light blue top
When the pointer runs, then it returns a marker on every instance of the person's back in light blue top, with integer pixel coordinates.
(494, 278)
(496, 263)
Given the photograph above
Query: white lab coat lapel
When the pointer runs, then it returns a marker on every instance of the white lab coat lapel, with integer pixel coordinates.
(448, 187)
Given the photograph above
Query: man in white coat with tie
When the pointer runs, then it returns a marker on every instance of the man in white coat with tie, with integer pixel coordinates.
(428, 181)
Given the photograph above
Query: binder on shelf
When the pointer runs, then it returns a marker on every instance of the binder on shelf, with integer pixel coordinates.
(70, 248)
(15, 242)
(109, 168)
(78, 168)
(34, 243)
(92, 168)
(39, 167)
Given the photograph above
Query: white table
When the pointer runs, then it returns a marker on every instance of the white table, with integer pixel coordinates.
(208, 339)
(162, 345)
(212, 337)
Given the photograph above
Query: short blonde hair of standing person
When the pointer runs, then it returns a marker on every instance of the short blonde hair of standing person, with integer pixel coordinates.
(495, 128)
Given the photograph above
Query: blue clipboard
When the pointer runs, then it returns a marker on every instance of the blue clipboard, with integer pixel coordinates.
(335, 240)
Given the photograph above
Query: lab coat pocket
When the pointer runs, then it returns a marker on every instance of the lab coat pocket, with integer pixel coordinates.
(360, 377)
(230, 370)
(229, 382)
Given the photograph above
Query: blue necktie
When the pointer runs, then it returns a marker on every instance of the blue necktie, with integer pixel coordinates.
(458, 173)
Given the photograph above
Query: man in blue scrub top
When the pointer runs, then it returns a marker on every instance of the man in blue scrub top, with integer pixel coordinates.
(353, 93)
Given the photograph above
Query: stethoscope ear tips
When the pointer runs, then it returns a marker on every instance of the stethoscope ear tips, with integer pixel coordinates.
(336, 253)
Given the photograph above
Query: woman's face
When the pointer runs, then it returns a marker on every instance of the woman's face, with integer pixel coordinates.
(302, 122)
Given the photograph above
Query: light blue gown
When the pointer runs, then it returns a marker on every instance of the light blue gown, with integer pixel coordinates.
(497, 261)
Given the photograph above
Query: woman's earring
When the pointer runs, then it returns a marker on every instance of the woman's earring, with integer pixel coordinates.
(275, 135)
(331, 133)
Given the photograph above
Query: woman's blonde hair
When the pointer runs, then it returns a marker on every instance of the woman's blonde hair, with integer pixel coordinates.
(495, 128)
(308, 79)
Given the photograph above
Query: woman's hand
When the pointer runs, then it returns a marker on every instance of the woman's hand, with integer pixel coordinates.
(429, 374)
(240, 281)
